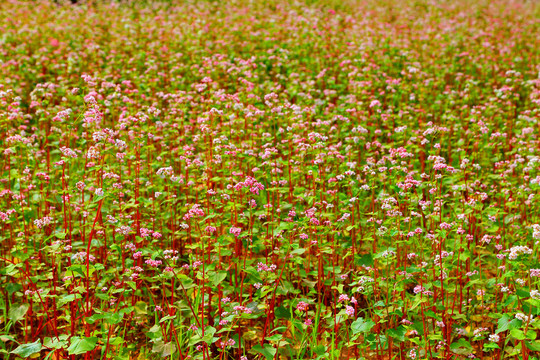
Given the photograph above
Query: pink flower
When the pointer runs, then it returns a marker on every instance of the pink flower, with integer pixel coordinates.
(302, 306)
(264, 267)
(153, 263)
(210, 229)
(235, 231)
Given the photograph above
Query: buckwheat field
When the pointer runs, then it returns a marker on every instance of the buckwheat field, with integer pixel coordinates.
(270, 179)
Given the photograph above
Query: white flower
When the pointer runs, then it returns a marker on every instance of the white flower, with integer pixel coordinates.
(518, 250)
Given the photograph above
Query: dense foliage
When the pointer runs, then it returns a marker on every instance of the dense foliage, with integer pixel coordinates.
(270, 180)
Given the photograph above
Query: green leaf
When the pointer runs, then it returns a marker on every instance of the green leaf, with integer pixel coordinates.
(76, 270)
(523, 293)
(533, 345)
(114, 318)
(82, 345)
(55, 343)
(99, 198)
(11, 269)
(490, 346)
(398, 333)
(518, 334)
(268, 351)
(164, 349)
(319, 350)
(92, 319)
(17, 313)
(25, 350)
(298, 251)
(6, 338)
(283, 313)
(366, 260)
(141, 308)
(218, 277)
(461, 343)
(417, 302)
(116, 341)
(505, 323)
(308, 283)
(461, 347)
(154, 332)
(286, 288)
(68, 298)
(274, 337)
(360, 325)
(13, 287)
(209, 335)
(168, 317)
